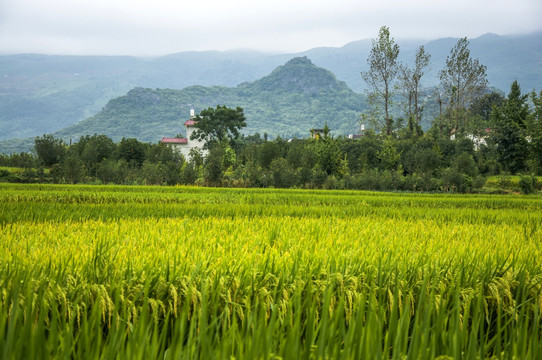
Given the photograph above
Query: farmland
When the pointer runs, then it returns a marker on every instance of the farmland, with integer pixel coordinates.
(187, 272)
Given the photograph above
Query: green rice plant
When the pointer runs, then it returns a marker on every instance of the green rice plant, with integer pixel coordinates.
(181, 272)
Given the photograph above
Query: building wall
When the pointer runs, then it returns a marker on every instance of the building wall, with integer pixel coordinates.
(184, 149)
(193, 143)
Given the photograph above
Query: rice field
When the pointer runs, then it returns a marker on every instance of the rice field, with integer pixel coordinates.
(107, 272)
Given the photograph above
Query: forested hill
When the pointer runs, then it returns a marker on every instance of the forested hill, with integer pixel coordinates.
(298, 75)
(290, 101)
(43, 94)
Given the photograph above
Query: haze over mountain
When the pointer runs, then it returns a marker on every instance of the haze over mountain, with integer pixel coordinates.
(43, 94)
(291, 100)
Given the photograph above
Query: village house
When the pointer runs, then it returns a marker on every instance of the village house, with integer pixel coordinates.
(478, 141)
(185, 145)
(358, 136)
(318, 134)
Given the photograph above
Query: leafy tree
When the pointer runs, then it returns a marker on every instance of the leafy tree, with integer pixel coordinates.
(421, 158)
(218, 125)
(22, 160)
(282, 173)
(534, 130)
(388, 155)
(527, 184)
(483, 105)
(132, 151)
(56, 173)
(305, 175)
(328, 155)
(465, 164)
(196, 157)
(50, 151)
(268, 151)
(301, 154)
(383, 69)
(214, 165)
(411, 83)
(94, 149)
(73, 169)
(463, 79)
(189, 174)
(163, 153)
(353, 152)
(509, 130)
(107, 172)
(172, 172)
(152, 173)
(371, 145)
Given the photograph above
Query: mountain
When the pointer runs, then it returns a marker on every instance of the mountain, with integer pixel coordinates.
(43, 94)
(507, 58)
(40, 94)
(291, 100)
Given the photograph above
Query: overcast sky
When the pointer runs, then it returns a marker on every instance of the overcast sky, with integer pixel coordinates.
(158, 27)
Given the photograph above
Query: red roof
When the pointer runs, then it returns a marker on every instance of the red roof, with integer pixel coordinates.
(166, 140)
(190, 123)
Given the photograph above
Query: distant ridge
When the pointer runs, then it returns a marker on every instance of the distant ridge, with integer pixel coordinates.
(298, 75)
(288, 102)
(43, 94)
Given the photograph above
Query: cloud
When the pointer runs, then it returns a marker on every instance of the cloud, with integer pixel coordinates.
(143, 27)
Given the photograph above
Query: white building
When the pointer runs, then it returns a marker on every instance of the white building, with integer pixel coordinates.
(184, 145)
(478, 141)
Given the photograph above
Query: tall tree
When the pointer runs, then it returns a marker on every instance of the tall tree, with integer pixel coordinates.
(534, 129)
(50, 151)
(509, 130)
(483, 105)
(411, 83)
(383, 70)
(94, 149)
(218, 125)
(463, 79)
(132, 151)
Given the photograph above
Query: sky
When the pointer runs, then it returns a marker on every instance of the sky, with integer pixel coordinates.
(159, 27)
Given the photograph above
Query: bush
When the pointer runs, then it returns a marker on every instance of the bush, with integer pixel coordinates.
(479, 182)
(527, 184)
(319, 177)
(455, 181)
(4, 173)
(282, 173)
(370, 180)
(352, 182)
(332, 183)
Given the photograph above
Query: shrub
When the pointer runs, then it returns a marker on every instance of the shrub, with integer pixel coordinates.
(527, 184)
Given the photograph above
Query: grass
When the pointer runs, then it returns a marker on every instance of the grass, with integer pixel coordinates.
(508, 183)
(182, 272)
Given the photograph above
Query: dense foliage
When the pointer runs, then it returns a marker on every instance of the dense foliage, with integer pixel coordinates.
(476, 133)
(292, 99)
(408, 160)
(43, 93)
(217, 125)
(180, 272)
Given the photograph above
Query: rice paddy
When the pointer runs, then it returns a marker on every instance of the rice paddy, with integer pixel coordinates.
(105, 272)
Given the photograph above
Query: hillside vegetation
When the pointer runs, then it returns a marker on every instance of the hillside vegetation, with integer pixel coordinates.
(43, 94)
(290, 101)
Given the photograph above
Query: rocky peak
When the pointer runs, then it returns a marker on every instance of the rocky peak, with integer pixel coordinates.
(299, 75)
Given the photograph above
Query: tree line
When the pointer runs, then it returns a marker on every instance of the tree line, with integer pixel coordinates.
(476, 133)
(463, 80)
(406, 160)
